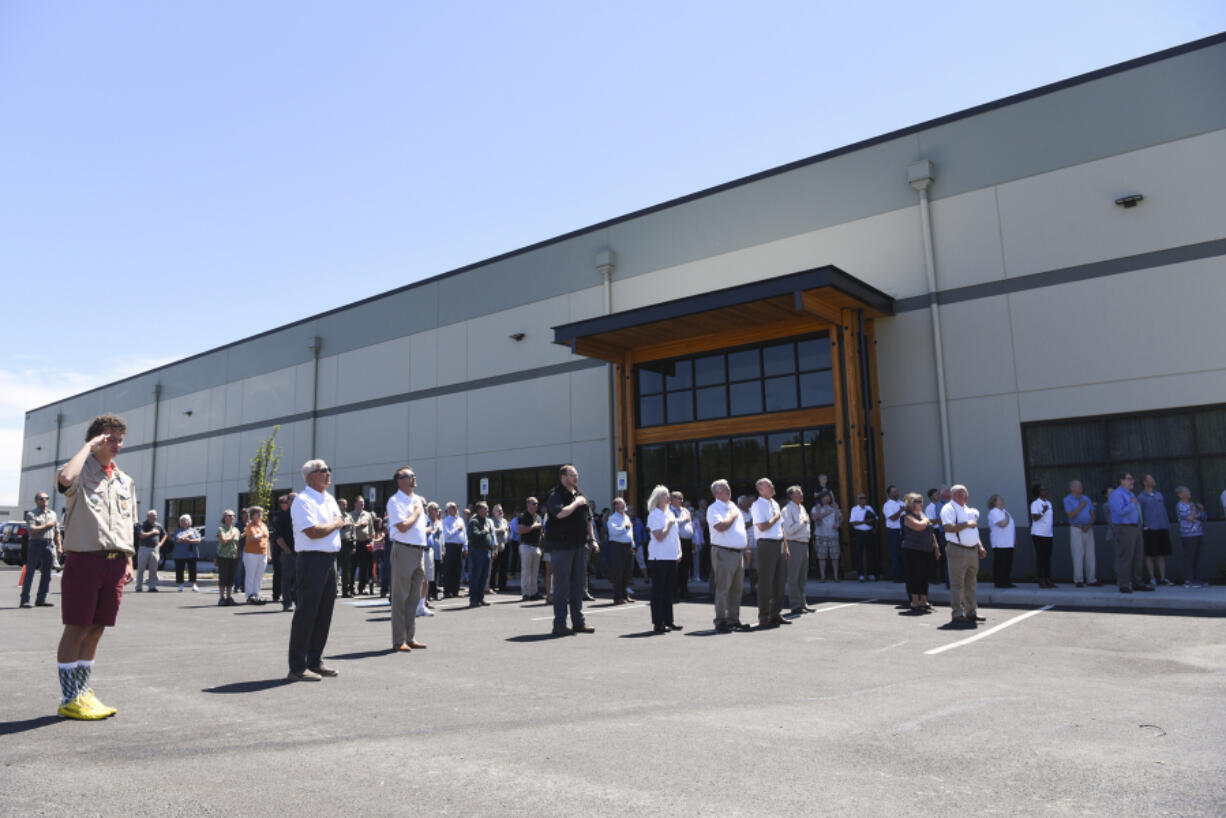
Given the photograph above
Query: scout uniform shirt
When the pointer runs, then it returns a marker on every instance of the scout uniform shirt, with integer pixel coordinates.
(101, 513)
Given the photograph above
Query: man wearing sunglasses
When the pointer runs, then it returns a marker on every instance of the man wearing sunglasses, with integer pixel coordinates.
(317, 525)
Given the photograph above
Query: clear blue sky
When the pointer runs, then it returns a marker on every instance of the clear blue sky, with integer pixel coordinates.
(178, 175)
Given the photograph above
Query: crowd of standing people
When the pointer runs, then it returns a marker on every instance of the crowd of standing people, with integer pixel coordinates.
(416, 551)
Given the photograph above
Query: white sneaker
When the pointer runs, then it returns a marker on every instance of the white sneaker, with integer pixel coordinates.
(424, 611)
(195, 587)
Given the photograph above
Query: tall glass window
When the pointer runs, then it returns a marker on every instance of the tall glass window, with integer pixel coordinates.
(1183, 447)
(777, 376)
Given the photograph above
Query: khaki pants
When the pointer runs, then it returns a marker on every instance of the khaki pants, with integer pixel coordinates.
(408, 573)
(728, 577)
(963, 579)
(1081, 547)
(146, 560)
(529, 569)
(798, 573)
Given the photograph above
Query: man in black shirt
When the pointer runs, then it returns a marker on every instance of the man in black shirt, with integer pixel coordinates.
(570, 530)
(529, 551)
(283, 539)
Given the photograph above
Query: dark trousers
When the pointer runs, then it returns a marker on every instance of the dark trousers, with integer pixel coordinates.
(385, 569)
(453, 566)
(893, 536)
(225, 571)
(865, 559)
(345, 566)
(479, 565)
(190, 565)
(663, 579)
(289, 579)
(1002, 565)
(316, 594)
(276, 571)
(240, 573)
(684, 569)
(1191, 556)
(502, 564)
(621, 561)
(365, 564)
(1042, 557)
(40, 557)
(704, 562)
(569, 573)
(917, 567)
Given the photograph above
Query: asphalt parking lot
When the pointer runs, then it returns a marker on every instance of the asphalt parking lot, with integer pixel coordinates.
(852, 710)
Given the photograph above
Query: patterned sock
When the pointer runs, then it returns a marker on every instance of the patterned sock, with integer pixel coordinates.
(84, 668)
(68, 681)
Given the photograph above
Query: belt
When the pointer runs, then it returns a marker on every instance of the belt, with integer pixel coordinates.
(1128, 525)
(41, 539)
(412, 545)
(963, 545)
(726, 548)
(105, 555)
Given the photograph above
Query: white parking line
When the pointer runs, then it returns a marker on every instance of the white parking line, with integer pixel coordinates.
(587, 611)
(369, 603)
(844, 605)
(988, 632)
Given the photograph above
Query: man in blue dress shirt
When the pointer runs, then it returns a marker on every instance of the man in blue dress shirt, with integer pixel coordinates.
(1126, 534)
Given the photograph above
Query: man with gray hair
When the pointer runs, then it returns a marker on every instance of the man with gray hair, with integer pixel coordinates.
(964, 550)
(728, 543)
(317, 522)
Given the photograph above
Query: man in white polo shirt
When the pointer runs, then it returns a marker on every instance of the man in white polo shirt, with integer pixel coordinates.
(317, 524)
(963, 550)
(772, 555)
(728, 541)
(406, 531)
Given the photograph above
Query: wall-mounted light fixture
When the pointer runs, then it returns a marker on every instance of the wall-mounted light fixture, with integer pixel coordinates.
(188, 413)
(1131, 200)
(518, 336)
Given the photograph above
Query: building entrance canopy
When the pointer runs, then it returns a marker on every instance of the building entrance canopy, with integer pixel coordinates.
(824, 302)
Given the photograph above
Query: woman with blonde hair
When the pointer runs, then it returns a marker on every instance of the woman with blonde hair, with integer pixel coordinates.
(662, 559)
(227, 557)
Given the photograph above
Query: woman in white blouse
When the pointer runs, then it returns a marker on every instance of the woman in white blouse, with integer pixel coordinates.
(662, 559)
(1004, 535)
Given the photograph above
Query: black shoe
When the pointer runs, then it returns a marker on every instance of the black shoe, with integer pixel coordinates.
(741, 626)
(1125, 590)
(976, 618)
(485, 604)
(525, 598)
(723, 627)
(563, 631)
(660, 629)
(221, 603)
(1142, 587)
(588, 598)
(673, 626)
(153, 590)
(1094, 584)
(779, 620)
(26, 605)
(584, 629)
(1079, 584)
(43, 604)
(536, 597)
(796, 611)
(807, 609)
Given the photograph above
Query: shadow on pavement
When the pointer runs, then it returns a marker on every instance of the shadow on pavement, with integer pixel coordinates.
(364, 654)
(639, 635)
(535, 637)
(249, 613)
(378, 619)
(248, 687)
(708, 632)
(8, 728)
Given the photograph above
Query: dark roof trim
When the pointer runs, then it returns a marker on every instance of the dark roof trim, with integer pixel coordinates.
(791, 284)
(1158, 56)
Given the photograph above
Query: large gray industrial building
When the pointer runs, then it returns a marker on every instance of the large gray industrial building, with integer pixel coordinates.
(1030, 290)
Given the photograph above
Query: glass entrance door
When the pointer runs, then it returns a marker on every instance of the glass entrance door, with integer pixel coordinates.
(788, 458)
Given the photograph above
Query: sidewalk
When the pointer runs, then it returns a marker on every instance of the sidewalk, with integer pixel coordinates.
(1209, 599)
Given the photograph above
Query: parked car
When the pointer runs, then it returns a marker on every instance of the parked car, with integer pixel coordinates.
(13, 543)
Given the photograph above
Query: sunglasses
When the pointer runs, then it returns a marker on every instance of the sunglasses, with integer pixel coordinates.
(324, 470)
(406, 476)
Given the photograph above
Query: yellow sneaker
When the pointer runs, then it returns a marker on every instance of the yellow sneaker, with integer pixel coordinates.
(90, 700)
(80, 710)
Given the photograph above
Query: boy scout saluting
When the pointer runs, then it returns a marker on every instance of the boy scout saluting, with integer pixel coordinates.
(98, 553)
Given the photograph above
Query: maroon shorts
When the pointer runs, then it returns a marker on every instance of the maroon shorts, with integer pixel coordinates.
(91, 587)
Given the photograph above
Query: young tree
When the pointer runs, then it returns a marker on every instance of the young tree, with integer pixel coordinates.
(264, 467)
